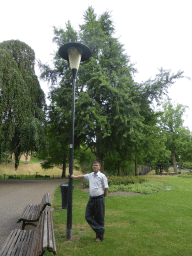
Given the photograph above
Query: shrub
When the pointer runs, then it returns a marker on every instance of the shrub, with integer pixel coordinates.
(187, 165)
(14, 177)
(144, 188)
(125, 180)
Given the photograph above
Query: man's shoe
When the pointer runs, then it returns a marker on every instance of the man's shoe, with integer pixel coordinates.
(101, 236)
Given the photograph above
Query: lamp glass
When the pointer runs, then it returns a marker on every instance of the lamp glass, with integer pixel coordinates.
(74, 57)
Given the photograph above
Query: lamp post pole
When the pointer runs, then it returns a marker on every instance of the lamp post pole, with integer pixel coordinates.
(71, 150)
(74, 53)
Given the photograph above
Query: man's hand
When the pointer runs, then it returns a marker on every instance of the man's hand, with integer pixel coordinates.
(106, 191)
(80, 177)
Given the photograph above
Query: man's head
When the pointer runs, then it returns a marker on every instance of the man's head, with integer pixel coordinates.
(96, 166)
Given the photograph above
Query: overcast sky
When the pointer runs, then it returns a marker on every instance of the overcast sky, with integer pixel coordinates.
(155, 34)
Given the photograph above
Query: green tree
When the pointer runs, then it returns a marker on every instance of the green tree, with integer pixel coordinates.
(22, 102)
(58, 137)
(113, 113)
(185, 145)
(178, 137)
(103, 84)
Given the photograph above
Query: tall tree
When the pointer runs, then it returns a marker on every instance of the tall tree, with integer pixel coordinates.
(112, 111)
(59, 114)
(22, 101)
(172, 127)
(103, 85)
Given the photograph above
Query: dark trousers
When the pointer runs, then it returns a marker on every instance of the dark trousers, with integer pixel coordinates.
(95, 213)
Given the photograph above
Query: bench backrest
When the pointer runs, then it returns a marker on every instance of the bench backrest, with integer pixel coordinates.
(46, 200)
(44, 238)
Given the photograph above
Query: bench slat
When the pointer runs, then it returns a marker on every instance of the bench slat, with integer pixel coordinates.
(17, 243)
(32, 242)
(26, 209)
(32, 213)
(45, 201)
(8, 242)
(36, 248)
(13, 242)
(52, 244)
(40, 233)
(26, 244)
(45, 234)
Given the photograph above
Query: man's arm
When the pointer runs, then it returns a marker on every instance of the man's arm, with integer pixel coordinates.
(106, 191)
(77, 177)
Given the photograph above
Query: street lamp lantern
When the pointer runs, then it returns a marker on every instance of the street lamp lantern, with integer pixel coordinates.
(74, 53)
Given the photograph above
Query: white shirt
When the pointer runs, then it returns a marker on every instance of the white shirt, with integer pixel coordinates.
(97, 183)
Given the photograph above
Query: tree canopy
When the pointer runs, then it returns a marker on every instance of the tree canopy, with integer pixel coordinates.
(178, 138)
(114, 115)
(22, 101)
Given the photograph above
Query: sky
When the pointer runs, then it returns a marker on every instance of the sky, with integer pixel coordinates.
(155, 34)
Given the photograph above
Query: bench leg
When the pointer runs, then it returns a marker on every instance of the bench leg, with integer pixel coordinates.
(28, 223)
(23, 225)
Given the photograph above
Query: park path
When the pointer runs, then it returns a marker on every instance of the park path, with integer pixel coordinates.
(15, 195)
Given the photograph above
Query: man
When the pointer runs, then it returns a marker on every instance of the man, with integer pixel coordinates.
(98, 190)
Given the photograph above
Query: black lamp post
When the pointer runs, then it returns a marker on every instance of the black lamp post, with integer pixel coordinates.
(74, 53)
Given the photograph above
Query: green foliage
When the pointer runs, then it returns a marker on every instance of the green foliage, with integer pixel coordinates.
(185, 175)
(125, 180)
(179, 139)
(5, 157)
(29, 177)
(32, 135)
(14, 177)
(144, 188)
(57, 151)
(187, 165)
(117, 183)
(21, 99)
(115, 167)
(115, 118)
(84, 157)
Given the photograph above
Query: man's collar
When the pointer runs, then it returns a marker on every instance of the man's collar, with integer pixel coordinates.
(96, 173)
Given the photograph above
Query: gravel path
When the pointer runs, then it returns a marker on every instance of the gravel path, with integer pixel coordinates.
(15, 195)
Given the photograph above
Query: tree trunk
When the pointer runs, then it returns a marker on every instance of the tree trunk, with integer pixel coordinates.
(118, 168)
(64, 166)
(64, 169)
(174, 163)
(17, 158)
(99, 154)
(0, 152)
(101, 161)
(102, 165)
(136, 171)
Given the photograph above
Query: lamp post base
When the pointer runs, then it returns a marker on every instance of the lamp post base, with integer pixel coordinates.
(69, 233)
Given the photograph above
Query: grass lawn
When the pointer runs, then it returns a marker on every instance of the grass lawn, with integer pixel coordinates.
(159, 223)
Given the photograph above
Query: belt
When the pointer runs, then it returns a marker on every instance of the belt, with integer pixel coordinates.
(95, 197)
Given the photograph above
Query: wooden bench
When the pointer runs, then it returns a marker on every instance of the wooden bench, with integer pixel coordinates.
(32, 212)
(32, 242)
